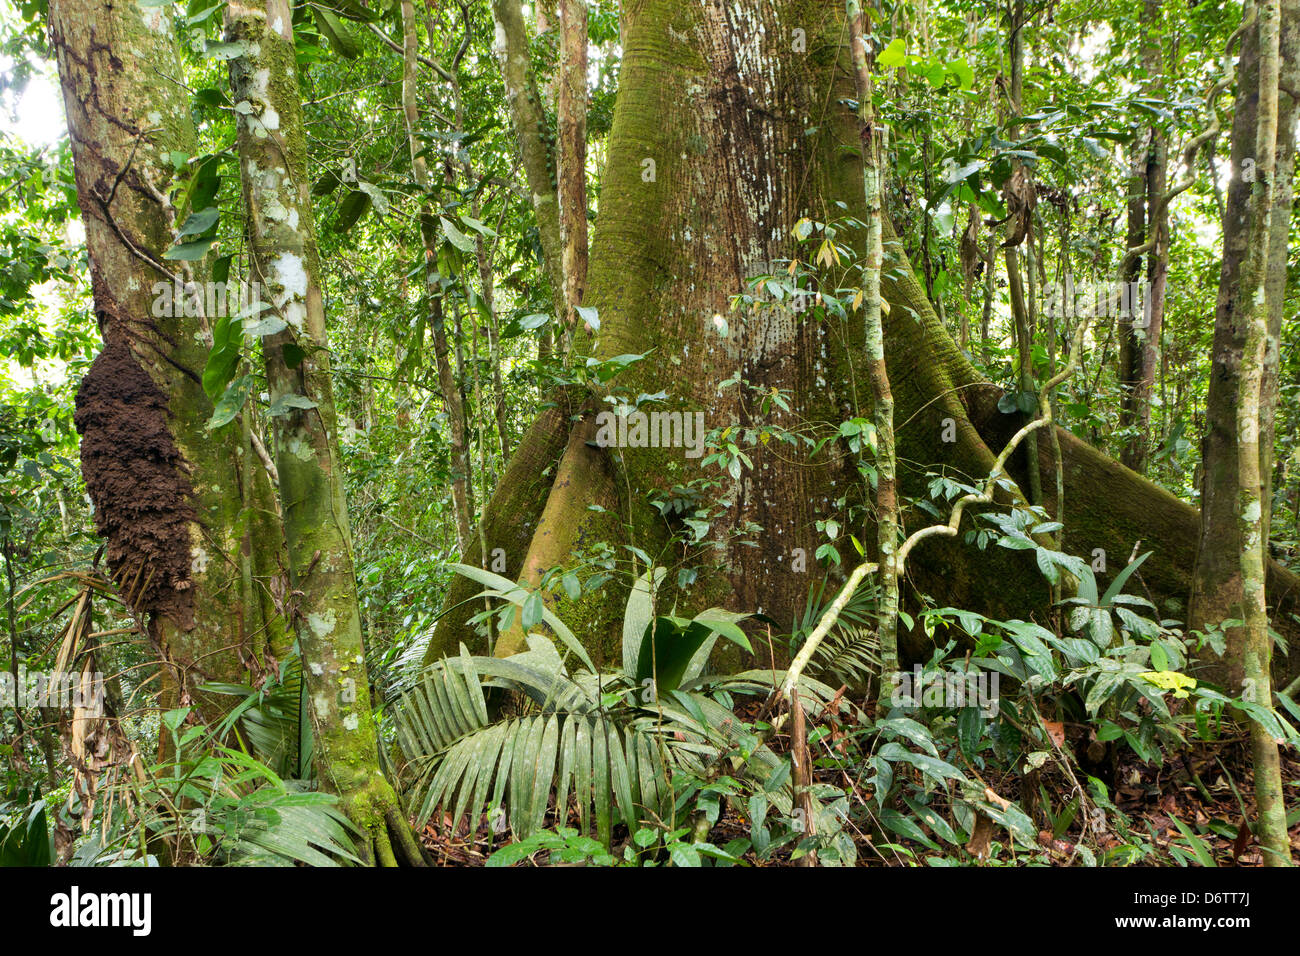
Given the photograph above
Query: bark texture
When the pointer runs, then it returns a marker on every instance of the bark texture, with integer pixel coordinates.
(166, 492)
(1148, 219)
(572, 139)
(284, 258)
(531, 132)
(1253, 651)
(1216, 585)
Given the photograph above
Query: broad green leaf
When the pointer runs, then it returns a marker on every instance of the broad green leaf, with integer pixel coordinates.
(230, 403)
(457, 238)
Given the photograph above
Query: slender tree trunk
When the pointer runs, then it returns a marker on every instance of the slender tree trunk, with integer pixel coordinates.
(1275, 283)
(1154, 300)
(572, 121)
(1216, 580)
(462, 487)
(282, 243)
(990, 281)
(1148, 219)
(529, 121)
(1128, 325)
(1022, 305)
(882, 399)
(1256, 645)
(483, 255)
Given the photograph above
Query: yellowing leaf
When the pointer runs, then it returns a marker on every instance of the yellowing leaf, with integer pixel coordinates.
(1180, 684)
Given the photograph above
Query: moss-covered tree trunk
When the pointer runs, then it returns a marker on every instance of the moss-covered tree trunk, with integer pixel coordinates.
(167, 493)
(1216, 592)
(284, 259)
(571, 120)
(873, 144)
(731, 126)
(528, 118)
(1252, 653)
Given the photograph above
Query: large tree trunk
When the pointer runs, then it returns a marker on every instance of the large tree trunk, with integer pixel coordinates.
(714, 94)
(166, 492)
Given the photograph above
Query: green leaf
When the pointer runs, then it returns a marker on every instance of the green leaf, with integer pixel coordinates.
(200, 222)
(478, 226)
(508, 590)
(683, 854)
(227, 338)
(1121, 579)
(934, 767)
(1198, 847)
(532, 611)
(26, 841)
(457, 238)
(286, 403)
(894, 55)
(725, 623)
(214, 50)
(906, 727)
(638, 615)
(293, 354)
(231, 401)
(970, 728)
(271, 325)
(905, 826)
(513, 853)
(350, 210)
(190, 251)
(378, 201)
(962, 70)
(337, 32)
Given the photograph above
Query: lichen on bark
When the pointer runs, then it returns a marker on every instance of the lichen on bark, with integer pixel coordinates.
(284, 257)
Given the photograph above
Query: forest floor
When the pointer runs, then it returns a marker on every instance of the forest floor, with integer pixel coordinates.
(1205, 787)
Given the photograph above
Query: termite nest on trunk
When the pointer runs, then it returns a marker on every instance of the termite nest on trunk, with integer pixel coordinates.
(135, 477)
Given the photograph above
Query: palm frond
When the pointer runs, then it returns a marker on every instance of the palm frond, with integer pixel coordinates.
(270, 720)
(607, 763)
(281, 828)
